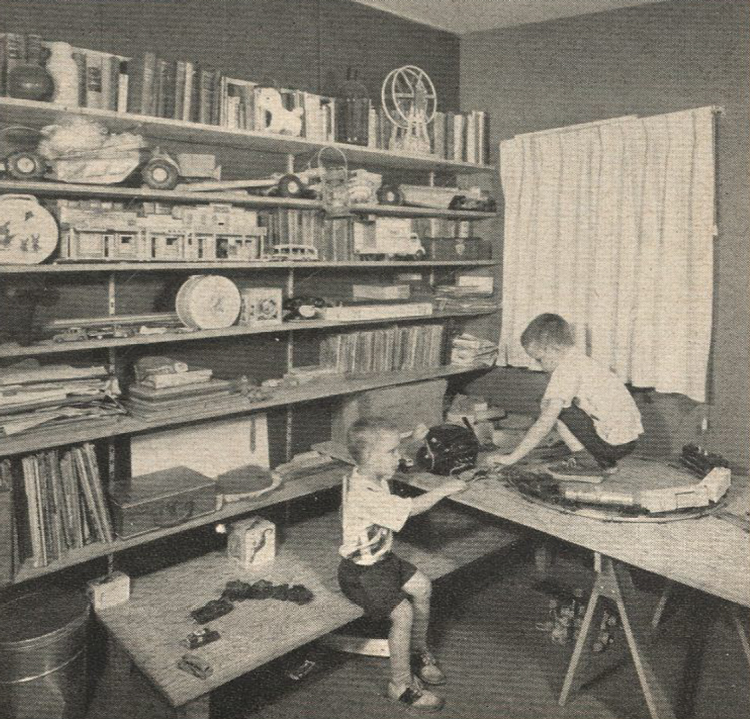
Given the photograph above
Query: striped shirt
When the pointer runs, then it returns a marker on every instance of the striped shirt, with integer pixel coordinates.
(370, 515)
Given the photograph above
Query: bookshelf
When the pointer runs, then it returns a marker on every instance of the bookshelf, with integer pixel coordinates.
(109, 288)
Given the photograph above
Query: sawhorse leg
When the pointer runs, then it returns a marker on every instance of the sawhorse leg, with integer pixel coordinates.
(613, 581)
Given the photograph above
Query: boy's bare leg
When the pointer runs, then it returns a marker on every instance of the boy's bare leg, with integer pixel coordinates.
(568, 437)
(419, 588)
(399, 642)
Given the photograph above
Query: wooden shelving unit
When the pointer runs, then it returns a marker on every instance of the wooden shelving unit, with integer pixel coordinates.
(111, 278)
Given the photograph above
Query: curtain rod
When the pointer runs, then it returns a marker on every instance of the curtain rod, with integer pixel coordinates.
(715, 109)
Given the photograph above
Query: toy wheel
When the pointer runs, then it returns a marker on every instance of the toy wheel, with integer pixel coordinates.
(291, 186)
(160, 174)
(24, 165)
(390, 195)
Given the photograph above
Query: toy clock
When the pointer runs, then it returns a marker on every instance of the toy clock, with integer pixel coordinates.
(207, 302)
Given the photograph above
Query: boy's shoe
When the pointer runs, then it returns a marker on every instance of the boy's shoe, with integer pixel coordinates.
(415, 697)
(578, 469)
(426, 667)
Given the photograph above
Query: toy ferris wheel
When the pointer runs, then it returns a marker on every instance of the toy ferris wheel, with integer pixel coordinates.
(409, 101)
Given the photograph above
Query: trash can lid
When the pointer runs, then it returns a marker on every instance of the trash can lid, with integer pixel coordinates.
(41, 613)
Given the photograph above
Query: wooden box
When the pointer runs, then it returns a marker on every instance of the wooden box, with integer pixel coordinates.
(161, 499)
(457, 248)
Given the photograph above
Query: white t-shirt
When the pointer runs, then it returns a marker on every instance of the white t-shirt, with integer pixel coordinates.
(370, 515)
(600, 393)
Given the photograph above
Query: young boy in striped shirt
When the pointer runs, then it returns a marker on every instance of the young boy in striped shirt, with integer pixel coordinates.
(372, 576)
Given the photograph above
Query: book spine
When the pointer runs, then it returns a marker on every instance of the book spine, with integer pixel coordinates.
(34, 49)
(111, 69)
(187, 96)
(179, 93)
(123, 86)
(14, 54)
(79, 57)
(94, 95)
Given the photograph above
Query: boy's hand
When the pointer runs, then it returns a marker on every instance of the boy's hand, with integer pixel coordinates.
(497, 459)
(453, 486)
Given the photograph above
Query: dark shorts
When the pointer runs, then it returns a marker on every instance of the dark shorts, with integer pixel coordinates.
(583, 429)
(376, 588)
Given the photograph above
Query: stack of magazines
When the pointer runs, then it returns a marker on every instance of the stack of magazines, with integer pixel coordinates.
(469, 350)
(32, 395)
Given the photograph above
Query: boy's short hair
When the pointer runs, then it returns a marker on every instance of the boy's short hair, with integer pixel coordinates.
(364, 432)
(548, 329)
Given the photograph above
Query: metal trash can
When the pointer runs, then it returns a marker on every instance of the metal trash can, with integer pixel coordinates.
(43, 655)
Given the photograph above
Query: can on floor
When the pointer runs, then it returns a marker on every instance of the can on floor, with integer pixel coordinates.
(43, 638)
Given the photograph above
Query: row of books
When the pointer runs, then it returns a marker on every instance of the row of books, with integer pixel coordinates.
(59, 504)
(463, 137)
(332, 238)
(383, 350)
(184, 90)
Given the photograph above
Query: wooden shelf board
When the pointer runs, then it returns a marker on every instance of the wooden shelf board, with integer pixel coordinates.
(72, 267)
(115, 192)
(85, 432)
(30, 112)
(292, 489)
(65, 347)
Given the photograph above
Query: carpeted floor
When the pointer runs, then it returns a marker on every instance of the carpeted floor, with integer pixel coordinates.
(499, 665)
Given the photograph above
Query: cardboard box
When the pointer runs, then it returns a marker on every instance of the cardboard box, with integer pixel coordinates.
(260, 306)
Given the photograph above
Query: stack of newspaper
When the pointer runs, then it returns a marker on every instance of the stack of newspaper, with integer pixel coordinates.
(32, 395)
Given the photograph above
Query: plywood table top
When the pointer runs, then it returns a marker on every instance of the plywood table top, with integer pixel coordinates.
(707, 553)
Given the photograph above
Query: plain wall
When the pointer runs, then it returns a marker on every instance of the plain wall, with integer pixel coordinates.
(644, 60)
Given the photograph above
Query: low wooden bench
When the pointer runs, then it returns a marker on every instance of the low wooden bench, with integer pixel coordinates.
(147, 630)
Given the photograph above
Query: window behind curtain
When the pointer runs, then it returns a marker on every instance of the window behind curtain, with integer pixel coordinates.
(611, 225)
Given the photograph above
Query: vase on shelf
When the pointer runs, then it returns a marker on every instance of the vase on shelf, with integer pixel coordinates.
(29, 81)
(64, 71)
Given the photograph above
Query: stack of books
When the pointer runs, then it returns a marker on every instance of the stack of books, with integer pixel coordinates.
(161, 395)
(60, 505)
(469, 350)
(32, 395)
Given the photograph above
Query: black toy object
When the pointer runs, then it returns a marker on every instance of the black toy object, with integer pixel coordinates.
(448, 449)
(701, 461)
(201, 637)
(238, 591)
(212, 610)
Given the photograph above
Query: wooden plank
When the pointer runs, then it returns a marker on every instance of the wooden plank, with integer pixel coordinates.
(30, 112)
(256, 632)
(50, 347)
(73, 267)
(706, 553)
(62, 189)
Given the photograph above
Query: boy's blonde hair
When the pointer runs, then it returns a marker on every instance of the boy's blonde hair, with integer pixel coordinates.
(548, 329)
(364, 432)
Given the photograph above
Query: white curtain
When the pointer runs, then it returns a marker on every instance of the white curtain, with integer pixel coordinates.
(611, 225)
